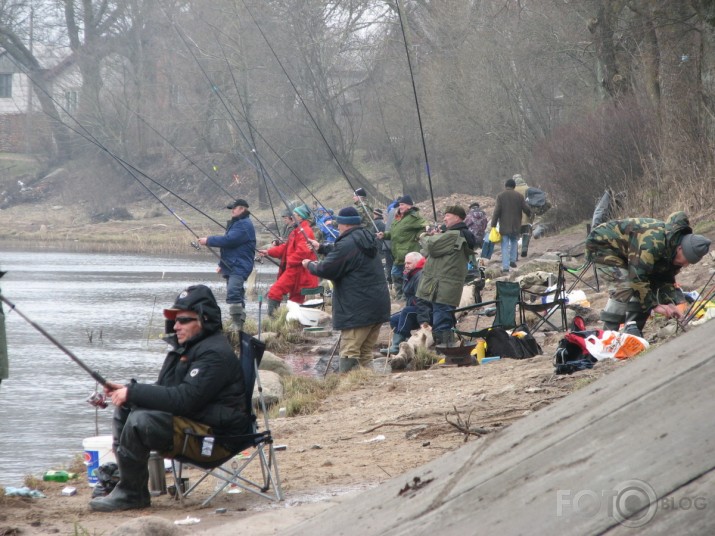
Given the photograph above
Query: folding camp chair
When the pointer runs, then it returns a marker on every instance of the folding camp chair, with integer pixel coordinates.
(260, 444)
(316, 291)
(579, 273)
(506, 301)
(545, 304)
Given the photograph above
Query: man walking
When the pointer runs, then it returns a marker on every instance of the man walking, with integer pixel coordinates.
(653, 253)
(445, 271)
(200, 387)
(361, 301)
(507, 213)
(238, 248)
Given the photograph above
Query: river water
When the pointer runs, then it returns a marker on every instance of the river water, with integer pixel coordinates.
(107, 310)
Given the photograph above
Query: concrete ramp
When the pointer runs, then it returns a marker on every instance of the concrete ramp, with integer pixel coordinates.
(632, 453)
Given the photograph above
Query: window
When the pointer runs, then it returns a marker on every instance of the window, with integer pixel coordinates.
(5, 86)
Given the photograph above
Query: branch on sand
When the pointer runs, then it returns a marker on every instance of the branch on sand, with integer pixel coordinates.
(464, 426)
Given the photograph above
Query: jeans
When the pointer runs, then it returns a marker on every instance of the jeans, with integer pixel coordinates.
(443, 317)
(397, 278)
(404, 321)
(235, 293)
(509, 249)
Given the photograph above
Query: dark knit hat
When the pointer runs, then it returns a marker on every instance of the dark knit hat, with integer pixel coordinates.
(475, 204)
(237, 203)
(378, 212)
(510, 183)
(695, 247)
(456, 210)
(349, 216)
(406, 199)
(286, 213)
(302, 211)
(361, 192)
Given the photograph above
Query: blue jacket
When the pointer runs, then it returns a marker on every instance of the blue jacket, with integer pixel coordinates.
(238, 246)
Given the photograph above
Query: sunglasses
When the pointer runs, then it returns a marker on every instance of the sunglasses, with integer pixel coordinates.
(185, 319)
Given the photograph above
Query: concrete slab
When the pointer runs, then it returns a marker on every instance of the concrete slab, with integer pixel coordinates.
(632, 452)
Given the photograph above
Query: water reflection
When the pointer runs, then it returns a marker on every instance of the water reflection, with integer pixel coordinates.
(105, 308)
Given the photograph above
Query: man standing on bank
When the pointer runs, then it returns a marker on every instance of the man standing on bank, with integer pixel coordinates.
(361, 301)
(200, 386)
(445, 270)
(238, 248)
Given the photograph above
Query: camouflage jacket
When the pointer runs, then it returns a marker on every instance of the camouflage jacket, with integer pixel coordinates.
(365, 211)
(646, 248)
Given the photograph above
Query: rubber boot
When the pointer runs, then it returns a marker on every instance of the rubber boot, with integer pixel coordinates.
(273, 305)
(348, 363)
(131, 492)
(635, 322)
(525, 244)
(238, 316)
(394, 348)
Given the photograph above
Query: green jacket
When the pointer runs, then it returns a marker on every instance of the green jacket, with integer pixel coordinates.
(646, 248)
(446, 267)
(405, 234)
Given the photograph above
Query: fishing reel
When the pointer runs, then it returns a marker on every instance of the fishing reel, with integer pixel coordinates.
(195, 245)
(98, 400)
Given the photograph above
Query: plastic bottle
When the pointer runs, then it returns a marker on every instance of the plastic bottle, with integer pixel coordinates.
(58, 476)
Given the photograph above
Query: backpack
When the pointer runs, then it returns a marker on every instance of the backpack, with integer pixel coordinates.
(536, 199)
(501, 343)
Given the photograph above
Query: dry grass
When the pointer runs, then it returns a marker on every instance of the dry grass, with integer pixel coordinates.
(303, 396)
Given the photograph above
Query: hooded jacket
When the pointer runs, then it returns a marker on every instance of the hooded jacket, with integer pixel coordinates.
(404, 234)
(360, 294)
(201, 379)
(646, 248)
(238, 246)
(446, 267)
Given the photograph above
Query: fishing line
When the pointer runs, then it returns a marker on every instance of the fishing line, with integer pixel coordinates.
(417, 106)
(127, 167)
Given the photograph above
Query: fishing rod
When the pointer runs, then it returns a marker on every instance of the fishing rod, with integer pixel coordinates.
(302, 101)
(253, 128)
(95, 375)
(216, 90)
(129, 168)
(207, 175)
(259, 165)
(417, 106)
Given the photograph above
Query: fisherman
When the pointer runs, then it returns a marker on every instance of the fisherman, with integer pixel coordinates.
(363, 208)
(287, 226)
(404, 235)
(238, 246)
(652, 252)
(415, 311)
(200, 387)
(4, 364)
(291, 276)
(445, 271)
(361, 301)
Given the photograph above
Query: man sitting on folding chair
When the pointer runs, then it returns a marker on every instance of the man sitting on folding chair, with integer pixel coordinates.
(200, 387)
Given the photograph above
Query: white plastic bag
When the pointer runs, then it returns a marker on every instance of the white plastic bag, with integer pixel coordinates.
(615, 345)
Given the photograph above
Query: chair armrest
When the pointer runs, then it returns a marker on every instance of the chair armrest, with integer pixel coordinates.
(474, 306)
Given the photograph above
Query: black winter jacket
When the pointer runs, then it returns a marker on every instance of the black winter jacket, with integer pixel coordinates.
(352, 263)
(201, 380)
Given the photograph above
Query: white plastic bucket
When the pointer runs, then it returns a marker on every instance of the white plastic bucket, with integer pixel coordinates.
(97, 451)
(308, 316)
